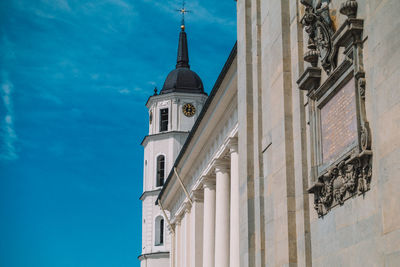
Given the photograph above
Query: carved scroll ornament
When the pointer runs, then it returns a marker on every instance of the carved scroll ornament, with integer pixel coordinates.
(319, 27)
(343, 181)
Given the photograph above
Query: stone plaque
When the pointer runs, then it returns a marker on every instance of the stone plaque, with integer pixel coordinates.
(339, 123)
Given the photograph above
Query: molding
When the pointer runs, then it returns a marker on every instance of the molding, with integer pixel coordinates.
(197, 195)
(233, 144)
(221, 165)
(171, 96)
(150, 193)
(187, 207)
(209, 182)
(154, 255)
(165, 134)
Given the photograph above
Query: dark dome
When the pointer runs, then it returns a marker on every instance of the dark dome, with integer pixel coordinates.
(183, 80)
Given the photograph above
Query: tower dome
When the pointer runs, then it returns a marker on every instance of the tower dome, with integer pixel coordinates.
(182, 78)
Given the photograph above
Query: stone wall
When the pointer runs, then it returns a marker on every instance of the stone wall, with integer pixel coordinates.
(279, 226)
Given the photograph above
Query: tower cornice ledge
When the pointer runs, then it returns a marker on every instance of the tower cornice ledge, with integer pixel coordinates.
(171, 95)
(166, 134)
(153, 255)
(149, 193)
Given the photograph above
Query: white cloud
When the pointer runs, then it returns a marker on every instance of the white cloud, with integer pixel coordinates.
(8, 136)
(135, 90)
(124, 91)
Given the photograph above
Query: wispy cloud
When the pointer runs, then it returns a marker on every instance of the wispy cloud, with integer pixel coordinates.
(7, 133)
(135, 90)
(124, 91)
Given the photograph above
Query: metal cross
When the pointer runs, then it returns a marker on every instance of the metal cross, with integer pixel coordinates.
(183, 10)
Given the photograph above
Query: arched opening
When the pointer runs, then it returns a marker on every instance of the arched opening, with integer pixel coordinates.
(160, 170)
(159, 233)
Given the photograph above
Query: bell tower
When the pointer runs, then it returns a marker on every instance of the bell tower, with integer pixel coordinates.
(172, 113)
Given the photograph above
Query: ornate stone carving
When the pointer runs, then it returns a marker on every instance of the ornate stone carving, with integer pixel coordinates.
(349, 8)
(343, 181)
(348, 172)
(361, 87)
(319, 27)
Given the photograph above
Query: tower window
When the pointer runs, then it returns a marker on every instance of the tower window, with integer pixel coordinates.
(159, 233)
(163, 120)
(160, 170)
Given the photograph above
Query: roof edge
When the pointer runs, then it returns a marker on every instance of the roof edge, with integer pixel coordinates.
(210, 98)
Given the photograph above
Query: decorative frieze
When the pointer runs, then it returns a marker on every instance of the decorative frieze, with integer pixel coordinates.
(339, 131)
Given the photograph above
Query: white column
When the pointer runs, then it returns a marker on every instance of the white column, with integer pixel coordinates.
(209, 223)
(183, 242)
(172, 233)
(234, 220)
(187, 235)
(196, 229)
(222, 223)
(178, 243)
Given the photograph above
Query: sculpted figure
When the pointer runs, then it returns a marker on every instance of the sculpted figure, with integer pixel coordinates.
(350, 177)
(327, 190)
(322, 8)
(318, 25)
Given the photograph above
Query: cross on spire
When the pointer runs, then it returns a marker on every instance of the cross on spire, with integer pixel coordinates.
(183, 11)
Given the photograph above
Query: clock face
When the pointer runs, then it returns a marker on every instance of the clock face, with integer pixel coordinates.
(189, 110)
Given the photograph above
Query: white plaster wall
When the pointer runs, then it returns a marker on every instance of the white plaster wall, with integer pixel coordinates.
(169, 144)
(150, 213)
(157, 262)
(174, 102)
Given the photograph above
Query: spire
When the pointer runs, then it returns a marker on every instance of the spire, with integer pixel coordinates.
(183, 54)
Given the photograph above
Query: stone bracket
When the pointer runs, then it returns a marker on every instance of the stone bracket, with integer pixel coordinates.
(310, 79)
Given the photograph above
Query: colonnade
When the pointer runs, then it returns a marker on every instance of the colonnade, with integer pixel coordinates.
(206, 233)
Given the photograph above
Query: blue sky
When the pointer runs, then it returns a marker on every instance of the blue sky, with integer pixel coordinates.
(74, 78)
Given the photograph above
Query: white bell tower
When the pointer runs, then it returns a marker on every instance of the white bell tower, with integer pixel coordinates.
(172, 114)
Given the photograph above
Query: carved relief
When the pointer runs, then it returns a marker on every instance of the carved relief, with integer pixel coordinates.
(343, 181)
(347, 171)
(349, 8)
(319, 27)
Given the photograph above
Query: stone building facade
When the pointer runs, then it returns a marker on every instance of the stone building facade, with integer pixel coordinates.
(294, 159)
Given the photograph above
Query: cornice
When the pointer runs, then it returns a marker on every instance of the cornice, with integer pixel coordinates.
(171, 96)
(162, 134)
(150, 193)
(154, 255)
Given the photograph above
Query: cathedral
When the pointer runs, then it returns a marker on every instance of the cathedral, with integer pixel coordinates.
(292, 158)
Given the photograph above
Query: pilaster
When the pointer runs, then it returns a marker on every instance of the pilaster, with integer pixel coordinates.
(245, 133)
